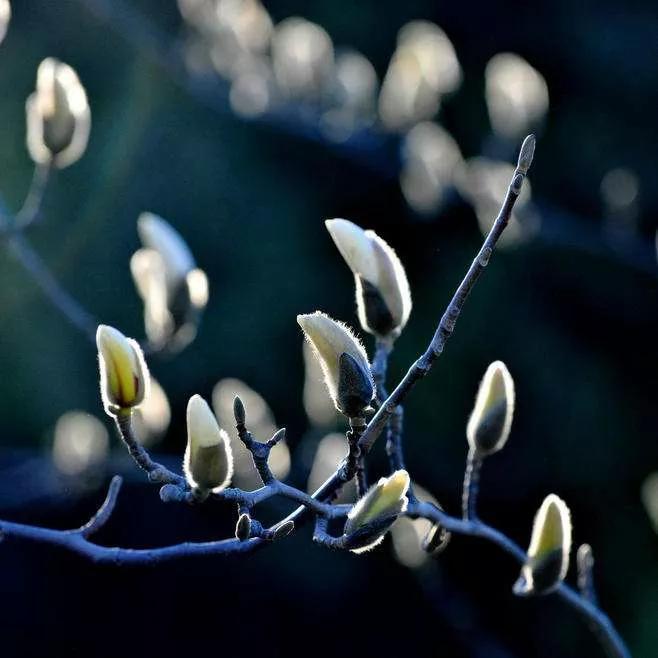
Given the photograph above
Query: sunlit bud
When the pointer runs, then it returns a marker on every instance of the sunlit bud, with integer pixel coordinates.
(382, 290)
(58, 116)
(548, 555)
(208, 460)
(243, 527)
(491, 419)
(124, 375)
(5, 15)
(376, 511)
(348, 379)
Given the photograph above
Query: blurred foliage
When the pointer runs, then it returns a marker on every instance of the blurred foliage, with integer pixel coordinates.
(577, 328)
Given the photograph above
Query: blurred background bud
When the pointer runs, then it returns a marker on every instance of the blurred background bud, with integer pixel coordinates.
(80, 444)
(5, 16)
(317, 404)
(516, 95)
(483, 183)
(174, 291)
(151, 419)
(430, 157)
(330, 452)
(548, 555)
(260, 422)
(58, 116)
(208, 462)
(423, 68)
(649, 495)
(303, 58)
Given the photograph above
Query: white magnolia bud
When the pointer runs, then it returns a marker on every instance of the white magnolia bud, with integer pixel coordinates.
(208, 463)
(377, 510)
(58, 116)
(344, 362)
(548, 555)
(382, 290)
(124, 375)
(5, 15)
(491, 420)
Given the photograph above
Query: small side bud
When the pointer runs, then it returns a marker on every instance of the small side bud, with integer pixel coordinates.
(239, 411)
(526, 154)
(436, 540)
(384, 502)
(58, 116)
(124, 377)
(349, 379)
(278, 436)
(208, 462)
(283, 530)
(548, 555)
(491, 420)
(243, 527)
(382, 290)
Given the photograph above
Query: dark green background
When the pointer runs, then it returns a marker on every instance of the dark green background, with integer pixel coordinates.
(575, 319)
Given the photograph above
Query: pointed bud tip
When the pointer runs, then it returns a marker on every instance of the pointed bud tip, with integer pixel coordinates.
(238, 410)
(526, 154)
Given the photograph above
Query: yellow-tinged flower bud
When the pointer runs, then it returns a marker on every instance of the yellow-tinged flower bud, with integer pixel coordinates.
(208, 462)
(5, 15)
(491, 420)
(58, 116)
(548, 555)
(124, 375)
(376, 511)
(382, 290)
(344, 362)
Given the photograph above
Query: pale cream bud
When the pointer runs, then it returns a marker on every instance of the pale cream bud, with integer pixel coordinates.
(491, 420)
(124, 377)
(58, 116)
(5, 15)
(383, 502)
(208, 463)
(382, 290)
(550, 545)
(344, 362)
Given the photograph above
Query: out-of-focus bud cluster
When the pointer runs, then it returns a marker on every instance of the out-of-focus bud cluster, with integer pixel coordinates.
(262, 425)
(5, 15)
(344, 362)
(80, 444)
(382, 290)
(58, 116)
(173, 289)
(151, 419)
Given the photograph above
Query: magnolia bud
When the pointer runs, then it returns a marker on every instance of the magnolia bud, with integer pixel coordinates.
(243, 527)
(491, 419)
(124, 375)
(173, 289)
(371, 517)
(58, 116)
(344, 362)
(208, 462)
(548, 555)
(382, 290)
(5, 15)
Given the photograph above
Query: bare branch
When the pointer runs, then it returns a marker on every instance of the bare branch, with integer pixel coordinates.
(104, 512)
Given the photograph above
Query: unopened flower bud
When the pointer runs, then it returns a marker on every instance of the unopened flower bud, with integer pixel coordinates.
(208, 463)
(376, 511)
(491, 420)
(58, 116)
(344, 362)
(382, 290)
(548, 555)
(243, 527)
(124, 375)
(5, 15)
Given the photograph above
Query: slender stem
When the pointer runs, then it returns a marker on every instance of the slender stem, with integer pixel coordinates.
(585, 564)
(446, 325)
(471, 485)
(31, 209)
(596, 619)
(356, 466)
